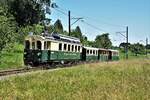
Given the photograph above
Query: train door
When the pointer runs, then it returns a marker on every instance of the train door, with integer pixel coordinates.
(110, 55)
(83, 54)
(98, 54)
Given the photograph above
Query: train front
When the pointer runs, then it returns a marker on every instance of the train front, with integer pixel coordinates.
(32, 50)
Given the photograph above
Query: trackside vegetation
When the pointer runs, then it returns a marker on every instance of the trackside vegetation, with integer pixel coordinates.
(123, 80)
(12, 58)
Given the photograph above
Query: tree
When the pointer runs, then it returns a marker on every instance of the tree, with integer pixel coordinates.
(84, 40)
(123, 45)
(77, 33)
(147, 46)
(137, 49)
(24, 31)
(28, 12)
(7, 28)
(91, 43)
(58, 27)
(103, 41)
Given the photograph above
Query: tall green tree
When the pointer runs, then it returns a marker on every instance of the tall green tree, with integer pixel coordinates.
(37, 29)
(7, 28)
(77, 33)
(103, 41)
(28, 12)
(58, 27)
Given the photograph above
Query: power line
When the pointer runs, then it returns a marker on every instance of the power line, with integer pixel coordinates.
(106, 23)
(93, 26)
(61, 12)
(83, 21)
(93, 19)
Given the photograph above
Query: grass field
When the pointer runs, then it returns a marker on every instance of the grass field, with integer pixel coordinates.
(12, 59)
(123, 80)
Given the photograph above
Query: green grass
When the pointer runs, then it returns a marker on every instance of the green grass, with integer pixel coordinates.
(131, 55)
(12, 59)
(123, 80)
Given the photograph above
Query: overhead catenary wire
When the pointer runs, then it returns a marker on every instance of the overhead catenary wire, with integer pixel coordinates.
(106, 23)
(96, 20)
(85, 21)
(61, 12)
(93, 26)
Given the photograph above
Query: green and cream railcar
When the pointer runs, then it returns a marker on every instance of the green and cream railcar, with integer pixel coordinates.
(103, 54)
(114, 55)
(89, 54)
(47, 49)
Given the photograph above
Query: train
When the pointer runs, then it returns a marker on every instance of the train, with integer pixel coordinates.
(56, 48)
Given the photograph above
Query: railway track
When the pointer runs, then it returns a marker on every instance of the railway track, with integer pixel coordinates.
(17, 71)
(26, 69)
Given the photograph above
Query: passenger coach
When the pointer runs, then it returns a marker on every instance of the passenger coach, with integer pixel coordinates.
(89, 54)
(51, 48)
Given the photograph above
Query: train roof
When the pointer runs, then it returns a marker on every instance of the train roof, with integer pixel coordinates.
(103, 49)
(113, 50)
(91, 48)
(65, 38)
(55, 36)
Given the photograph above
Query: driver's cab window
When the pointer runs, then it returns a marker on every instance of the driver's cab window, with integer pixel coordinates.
(27, 44)
(33, 45)
(39, 45)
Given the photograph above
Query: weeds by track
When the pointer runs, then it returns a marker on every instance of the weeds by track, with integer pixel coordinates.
(17, 71)
(37, 68)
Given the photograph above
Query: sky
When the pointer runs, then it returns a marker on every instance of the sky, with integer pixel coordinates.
(107, 16)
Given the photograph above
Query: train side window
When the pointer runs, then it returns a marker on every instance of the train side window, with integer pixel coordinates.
(39, 45)
(33, 45)
(78, 48)
(27, 44)
(48, 45)
(87, 51)
(45, 46)
(72, 47)
(60, 46)
(90, 51)
(65, 46)
(68, 47)
(75, 48)
(93, 52)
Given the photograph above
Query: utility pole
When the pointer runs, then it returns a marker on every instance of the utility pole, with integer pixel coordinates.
(69, 20)
(146, 45)
(127, 42)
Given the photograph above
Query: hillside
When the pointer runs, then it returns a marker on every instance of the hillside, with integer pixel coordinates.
(124, 80)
